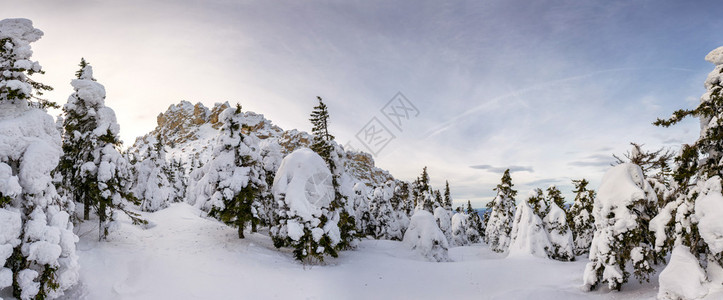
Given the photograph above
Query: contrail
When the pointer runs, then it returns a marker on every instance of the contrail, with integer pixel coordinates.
(442, 127)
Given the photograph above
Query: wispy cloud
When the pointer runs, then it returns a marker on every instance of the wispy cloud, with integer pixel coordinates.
(502, 169)
(596, 160)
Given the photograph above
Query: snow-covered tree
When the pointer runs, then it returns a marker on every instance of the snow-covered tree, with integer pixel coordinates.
(474, 224)
(447, 196)
(176, 175)
(692, 221)
(152, 185)
(460, 225)
(502, 213)
(324, 146)
(622, 213)
(559, 234)
(656, 168)
(580, 217)
(554, 196)
(37, 244)
(386, 224)
(362, 207)
(229, 185)
(304, 191)
(95, 173)
(425, 237)
(537, 201)
(529, 237)
(443, 218)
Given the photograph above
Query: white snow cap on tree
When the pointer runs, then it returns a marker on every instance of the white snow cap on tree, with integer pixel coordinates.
(305, 181)
(425, 237)
(529, 237)
(716, 56)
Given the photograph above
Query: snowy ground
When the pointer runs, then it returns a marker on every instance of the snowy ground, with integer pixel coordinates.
(188, 257)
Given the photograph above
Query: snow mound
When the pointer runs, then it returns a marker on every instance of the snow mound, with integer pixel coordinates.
(425, 237)
(305, 183)
(683, 278)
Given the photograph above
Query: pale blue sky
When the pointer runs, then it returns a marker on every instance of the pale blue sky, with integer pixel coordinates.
(550, 87)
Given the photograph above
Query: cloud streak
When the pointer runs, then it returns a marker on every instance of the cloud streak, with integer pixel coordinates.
(503, 169)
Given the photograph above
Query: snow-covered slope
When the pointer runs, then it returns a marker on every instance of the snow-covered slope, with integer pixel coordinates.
(185, 256)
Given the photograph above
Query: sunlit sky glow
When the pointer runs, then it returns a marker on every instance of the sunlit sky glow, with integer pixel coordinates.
(550, 88)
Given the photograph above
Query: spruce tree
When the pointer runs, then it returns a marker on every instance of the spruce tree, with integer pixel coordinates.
(38, 258)
(554, 196)
(153, 185)
(622, 240)
(95, 173)
(230, 184)
(580, 217)
(447, 196)
(474, 224)
(502, 213)
(539, 204)
(690, 221)
(324, 146)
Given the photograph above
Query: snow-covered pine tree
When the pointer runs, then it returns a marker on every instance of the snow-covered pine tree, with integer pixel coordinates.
(443, 218)
(424, 197)
(692, 222)
(474, 224)
(656, 168)
(502, 213)
(425, 237)
(555, 222)
(386, 223)
(529, 237)
(362, 208)
(152, 185)
(580, 217)
(176, 175)
(324, 146)
(554, 196)
(447, 196)
(37, 244)
(304, 191)
(537, 201)
(559, 234)
(458, 234)
(233, 179)
(622, 238)
(271, 158)
(95, 173)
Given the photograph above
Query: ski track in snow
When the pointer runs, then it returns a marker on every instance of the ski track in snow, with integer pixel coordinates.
(185, 256)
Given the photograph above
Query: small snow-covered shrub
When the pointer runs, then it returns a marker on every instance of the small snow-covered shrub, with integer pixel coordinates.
(425, 237)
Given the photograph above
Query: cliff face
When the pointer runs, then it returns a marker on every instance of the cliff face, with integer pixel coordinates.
(188, 131)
